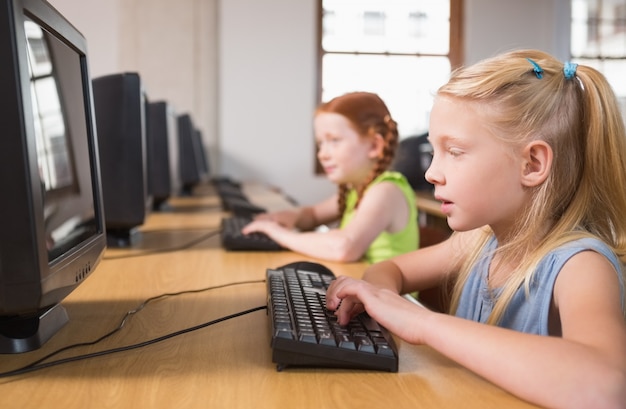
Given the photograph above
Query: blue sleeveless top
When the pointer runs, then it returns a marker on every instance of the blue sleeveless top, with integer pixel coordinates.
(526, 314)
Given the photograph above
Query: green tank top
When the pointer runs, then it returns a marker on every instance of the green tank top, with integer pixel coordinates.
(387, 245)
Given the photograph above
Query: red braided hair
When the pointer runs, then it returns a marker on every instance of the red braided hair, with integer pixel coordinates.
(369, 116)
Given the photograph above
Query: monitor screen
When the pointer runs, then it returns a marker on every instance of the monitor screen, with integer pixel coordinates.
(68, 202)
(53, 233)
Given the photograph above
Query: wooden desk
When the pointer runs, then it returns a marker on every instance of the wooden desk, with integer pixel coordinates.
(227, 365)
(427, 204)
(432, 221)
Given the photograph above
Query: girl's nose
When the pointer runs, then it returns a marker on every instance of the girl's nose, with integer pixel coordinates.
(432, 175)
(321, 152)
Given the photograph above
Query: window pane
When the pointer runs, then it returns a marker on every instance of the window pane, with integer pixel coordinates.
(613, 38)
(598, 28)
(599, 40)
(406, 83)
(418, 27)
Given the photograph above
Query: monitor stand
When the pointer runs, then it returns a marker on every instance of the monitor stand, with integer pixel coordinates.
(187, 190)
(120, 238)
(23, 334)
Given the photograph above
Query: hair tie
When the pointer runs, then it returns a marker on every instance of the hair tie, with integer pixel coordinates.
(569, 70)
(536, 68)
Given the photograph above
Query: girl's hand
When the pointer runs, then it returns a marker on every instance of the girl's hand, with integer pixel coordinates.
(337, 299)
(349, 297)
(286, 218)
(261, 226)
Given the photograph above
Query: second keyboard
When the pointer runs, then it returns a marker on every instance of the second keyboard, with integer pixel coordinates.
(233, 239)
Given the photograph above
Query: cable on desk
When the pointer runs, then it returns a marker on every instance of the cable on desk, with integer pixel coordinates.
(178, 230)
(171, 250)
(37, 365)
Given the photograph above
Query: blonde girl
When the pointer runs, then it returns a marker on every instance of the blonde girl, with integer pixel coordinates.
(530, 167)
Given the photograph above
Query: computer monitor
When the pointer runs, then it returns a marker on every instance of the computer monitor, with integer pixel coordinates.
(53, 233)
(412, 159)
(191, 167)
(119, 103)
(204, 160)
(163, 156)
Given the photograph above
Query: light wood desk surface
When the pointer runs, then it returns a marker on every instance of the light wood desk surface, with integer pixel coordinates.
(426, 203)
(227, 365)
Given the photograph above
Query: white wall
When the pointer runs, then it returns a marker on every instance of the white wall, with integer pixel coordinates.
(171, 44)
(99, 22)
(246, 69)
(494, 26)
(267, 94)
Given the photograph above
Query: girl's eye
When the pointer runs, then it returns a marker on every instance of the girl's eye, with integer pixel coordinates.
(454, 152)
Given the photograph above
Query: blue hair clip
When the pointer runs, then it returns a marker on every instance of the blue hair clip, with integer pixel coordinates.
(569, 70)
(536, 68)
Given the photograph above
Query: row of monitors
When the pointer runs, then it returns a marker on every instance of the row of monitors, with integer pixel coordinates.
(82, 157)
(148, 154)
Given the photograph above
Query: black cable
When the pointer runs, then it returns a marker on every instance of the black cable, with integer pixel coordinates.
(170, 250)
(129, 347)
(135, 311)
(36, 365)
(178, 230)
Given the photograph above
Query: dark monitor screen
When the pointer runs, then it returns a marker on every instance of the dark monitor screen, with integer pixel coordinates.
(53, 233)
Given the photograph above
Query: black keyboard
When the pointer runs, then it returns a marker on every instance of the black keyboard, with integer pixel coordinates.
(234, 200)
(223, 180)
(304, 333)
(233, 239)
(243, 207)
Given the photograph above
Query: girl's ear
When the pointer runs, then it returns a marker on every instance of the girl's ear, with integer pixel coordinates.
(536, 163)
(378, 145)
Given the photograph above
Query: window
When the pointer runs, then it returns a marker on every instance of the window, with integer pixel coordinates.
(401, 50)
(598, 39)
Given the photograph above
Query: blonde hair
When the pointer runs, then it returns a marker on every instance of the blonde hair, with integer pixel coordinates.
(368, 115)
(525, 96)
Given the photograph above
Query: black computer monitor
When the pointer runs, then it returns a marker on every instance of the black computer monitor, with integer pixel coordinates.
(119, 103)
(190, 150)
(202, 155)
(163, 156)
(412, 159)
(53, 233)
